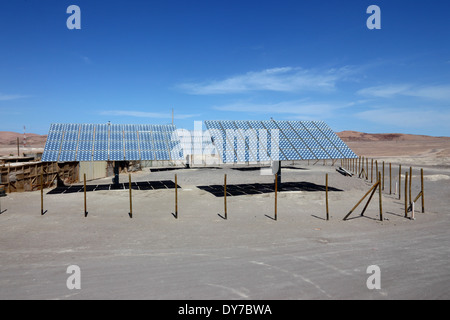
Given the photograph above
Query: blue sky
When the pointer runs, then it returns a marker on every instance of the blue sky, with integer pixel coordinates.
(133, 61)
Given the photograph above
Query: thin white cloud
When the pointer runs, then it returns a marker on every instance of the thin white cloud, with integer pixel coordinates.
(6, 97)
(284, 79)
(386, 91)
(141, 114)
(86, 60)
(417, 118)
(438, 92)
(297, 109)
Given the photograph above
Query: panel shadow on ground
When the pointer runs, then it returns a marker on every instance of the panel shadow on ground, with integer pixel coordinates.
(259, 168)
(261, 188)
(141, 185)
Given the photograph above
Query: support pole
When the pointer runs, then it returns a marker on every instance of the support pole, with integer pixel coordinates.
(399, 181)
(358, 165)
(359, 202)
(423, 191)
(367, 168)
(42, 194)
(225, 196)
(376, 169)
(382, 181)
(326, 196)
(390, 178)
(362, 165)
(370, 198)
(381, 201)
(176, 197)
(410, 182)
(131, 204)
(276, 191)
(406, 194)
(371, 172)
(85, 204)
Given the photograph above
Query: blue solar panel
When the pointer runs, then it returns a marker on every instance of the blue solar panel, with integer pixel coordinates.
(103, 142)
(276, 140)
(84, 156)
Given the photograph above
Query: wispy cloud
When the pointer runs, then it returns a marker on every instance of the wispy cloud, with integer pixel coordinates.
(5, 97)
(284, 79)
(438, 92)
(303, 108)
(417, 118)
(142, 114)
(86, 60)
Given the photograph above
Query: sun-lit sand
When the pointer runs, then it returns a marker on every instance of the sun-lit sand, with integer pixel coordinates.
(200, 255)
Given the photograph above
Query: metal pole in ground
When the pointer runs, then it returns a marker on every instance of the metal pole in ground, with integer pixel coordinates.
(380, 195)
(406, 194)
(129, 186)
(276, 191)
(376, 169)
(176, 197)
(390, 178)
(225, 196)
(85, 203)
(371, 172)
(326, 195)
(410, 181)
(423, 191)
(42, 194)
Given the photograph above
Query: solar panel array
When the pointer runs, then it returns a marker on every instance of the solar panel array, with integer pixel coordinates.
(111, 142)
(255, 141)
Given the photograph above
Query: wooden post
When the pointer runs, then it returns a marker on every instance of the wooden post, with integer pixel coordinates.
(9, 182)
(399, 181)
(131, 204)
(376, 169)
(423, 191)
(371, 173)
(406, 194)
(361, 167)
(377, 185)
(380, 195)
(390, 178)
(225, 196)
(42, 194)
(382, 183)
(410, 181)
(276, 191)
(85, 204)
(326, 196)
(367, 168)
(372, 189)
(18, 151)
(358, 165)
(176, 197)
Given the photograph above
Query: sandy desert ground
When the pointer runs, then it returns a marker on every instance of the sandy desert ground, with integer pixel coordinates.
(249, 256)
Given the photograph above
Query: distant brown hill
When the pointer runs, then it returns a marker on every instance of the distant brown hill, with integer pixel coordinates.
(361, 136)
(8, 138)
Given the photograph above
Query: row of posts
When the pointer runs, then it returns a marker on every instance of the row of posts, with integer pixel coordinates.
(356, 166)
(360, 167)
